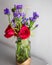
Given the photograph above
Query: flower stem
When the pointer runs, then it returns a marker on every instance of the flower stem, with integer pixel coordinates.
(9, 19)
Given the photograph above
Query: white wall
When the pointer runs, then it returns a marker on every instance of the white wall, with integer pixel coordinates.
(42, 41)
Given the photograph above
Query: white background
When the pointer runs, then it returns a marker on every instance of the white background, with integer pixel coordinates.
(41, 44)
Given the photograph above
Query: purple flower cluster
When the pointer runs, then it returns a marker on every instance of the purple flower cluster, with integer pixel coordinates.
(35, 16)
(17, 13)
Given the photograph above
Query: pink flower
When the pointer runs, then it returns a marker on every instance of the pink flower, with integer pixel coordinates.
(9, 32)
(24, 32)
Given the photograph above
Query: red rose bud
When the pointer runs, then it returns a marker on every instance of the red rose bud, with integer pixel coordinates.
(9, 32)
(24, 32)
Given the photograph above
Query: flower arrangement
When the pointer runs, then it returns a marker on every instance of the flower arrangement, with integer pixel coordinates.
(20, 26)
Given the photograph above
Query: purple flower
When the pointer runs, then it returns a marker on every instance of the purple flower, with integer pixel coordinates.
(6, 11)
(23, 15)
(13, 21)
(36, 25)
(17, 14)
(31, 18)
(18, 6)
(24, 20)
(35, 15)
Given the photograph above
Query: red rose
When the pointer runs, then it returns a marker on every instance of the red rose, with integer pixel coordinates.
(9, 32)
(24, 32)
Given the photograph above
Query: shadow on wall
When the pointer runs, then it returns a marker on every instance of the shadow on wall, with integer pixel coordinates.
(7, 44)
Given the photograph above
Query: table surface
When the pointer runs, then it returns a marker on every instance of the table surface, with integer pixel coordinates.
(7, 56)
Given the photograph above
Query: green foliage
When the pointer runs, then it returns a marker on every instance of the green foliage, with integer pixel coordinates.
(18, 24)
(31, 24)
(13, 9)
(18, 41)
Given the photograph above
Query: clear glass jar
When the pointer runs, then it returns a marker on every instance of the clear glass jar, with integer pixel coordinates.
(23, 51)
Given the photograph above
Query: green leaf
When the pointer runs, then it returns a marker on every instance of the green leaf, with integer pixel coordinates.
(19, 40)
(31, 24)
(34, 27)
(13, 9)
(16, 19)
(20, 19)
(26, 52)
(18, 23)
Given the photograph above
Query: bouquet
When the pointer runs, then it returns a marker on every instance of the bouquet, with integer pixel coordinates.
(20, 26)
